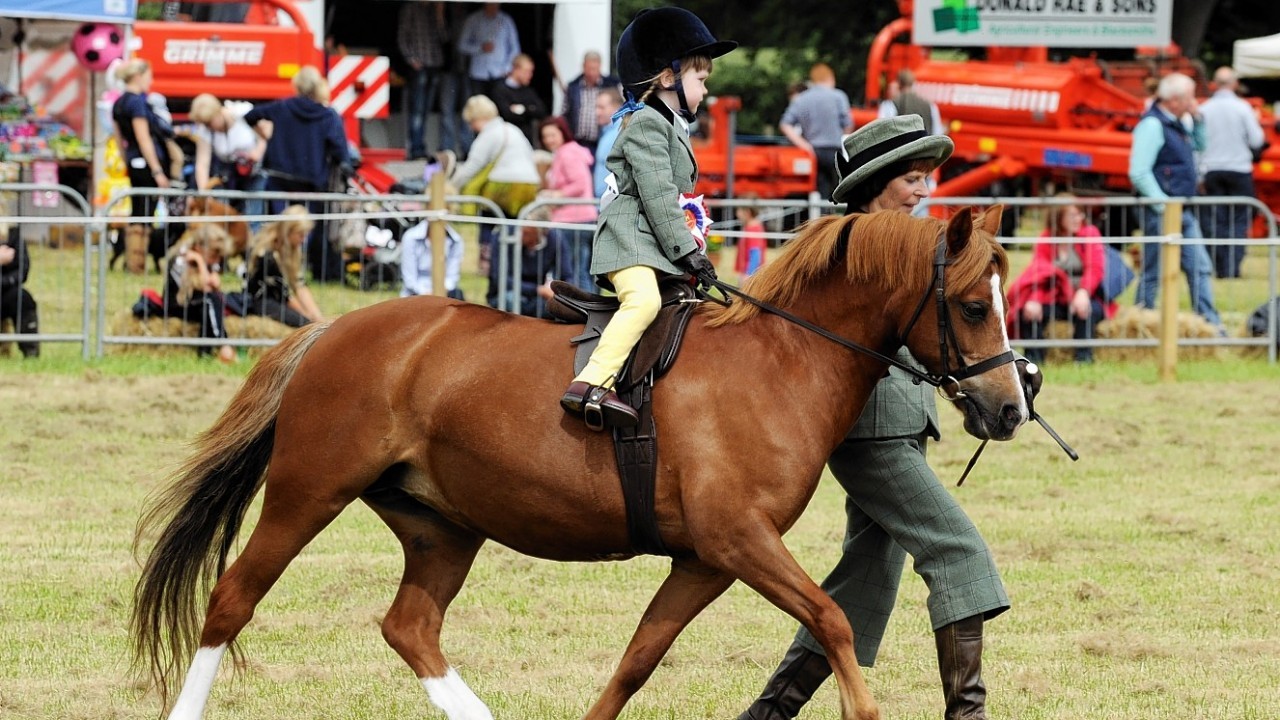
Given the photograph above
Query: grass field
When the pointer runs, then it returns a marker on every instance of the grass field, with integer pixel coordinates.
(1145, 578)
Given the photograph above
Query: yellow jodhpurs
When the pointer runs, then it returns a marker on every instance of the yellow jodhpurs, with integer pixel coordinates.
(639, 302)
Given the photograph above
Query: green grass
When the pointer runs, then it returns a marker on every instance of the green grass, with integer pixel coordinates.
(1144, 578)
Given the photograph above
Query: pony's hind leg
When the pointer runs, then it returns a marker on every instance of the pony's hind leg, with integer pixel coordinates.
(437, 557)
(288, 522)
(686, 591)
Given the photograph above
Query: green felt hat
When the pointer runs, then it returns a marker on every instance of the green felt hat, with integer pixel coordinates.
(881, 143)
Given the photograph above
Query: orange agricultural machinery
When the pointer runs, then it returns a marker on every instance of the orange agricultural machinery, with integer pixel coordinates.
(254, 60)
(767, 167)
(1016, 114)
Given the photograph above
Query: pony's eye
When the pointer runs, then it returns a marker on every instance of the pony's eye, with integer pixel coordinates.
(974, 310)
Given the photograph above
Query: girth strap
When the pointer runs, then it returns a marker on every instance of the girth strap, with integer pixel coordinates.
(637, 452)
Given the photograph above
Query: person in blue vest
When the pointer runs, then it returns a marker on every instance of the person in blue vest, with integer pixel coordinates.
(1162, 165)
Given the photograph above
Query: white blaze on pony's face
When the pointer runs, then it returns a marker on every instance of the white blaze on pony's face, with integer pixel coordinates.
(984, 415)
(992, 401)
(997, 306)
(451, 694)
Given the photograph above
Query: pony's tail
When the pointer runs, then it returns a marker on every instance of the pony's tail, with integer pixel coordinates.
(200, 513)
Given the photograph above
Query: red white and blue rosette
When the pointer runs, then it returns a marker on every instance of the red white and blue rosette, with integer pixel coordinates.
(696, 218)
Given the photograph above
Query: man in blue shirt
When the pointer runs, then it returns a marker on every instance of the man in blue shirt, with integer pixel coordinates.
(816, 120)
(489, 38)
(1232, 136)
(1162, 165)
(607, 103)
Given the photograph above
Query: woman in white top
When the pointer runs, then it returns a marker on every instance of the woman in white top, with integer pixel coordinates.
(221, 134)
(513, 182)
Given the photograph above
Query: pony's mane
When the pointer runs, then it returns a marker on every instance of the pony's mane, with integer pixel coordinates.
(888, 248)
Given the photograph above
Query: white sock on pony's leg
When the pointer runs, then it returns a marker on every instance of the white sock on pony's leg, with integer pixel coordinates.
(195, 690)
(451, 694)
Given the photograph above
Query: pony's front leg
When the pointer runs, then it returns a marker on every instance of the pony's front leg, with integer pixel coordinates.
(686, 591)
(199, 682)
(760, 560)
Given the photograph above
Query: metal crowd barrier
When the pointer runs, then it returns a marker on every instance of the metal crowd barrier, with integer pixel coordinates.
(1133, 218)
(52, 307)
(508, 261)
(570, 243)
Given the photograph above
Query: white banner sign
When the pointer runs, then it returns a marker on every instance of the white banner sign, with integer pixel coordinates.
(1050, 23)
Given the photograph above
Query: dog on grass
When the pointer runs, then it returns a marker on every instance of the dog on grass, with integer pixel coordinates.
(156, 241)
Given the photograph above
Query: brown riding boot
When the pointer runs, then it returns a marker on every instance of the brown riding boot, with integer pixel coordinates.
(793, 684)
(960, 664)
(135, 249)
(598, 406)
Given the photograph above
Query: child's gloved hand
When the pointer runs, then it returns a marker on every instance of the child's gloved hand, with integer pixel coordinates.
(697, 265)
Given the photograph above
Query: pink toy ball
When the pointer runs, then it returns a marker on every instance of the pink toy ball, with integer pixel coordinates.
(96, 45)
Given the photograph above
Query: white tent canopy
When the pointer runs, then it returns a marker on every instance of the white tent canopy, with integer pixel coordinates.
(1258, 57)
(112, 11)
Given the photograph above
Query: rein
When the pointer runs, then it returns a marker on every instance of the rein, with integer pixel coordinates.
(946, 332)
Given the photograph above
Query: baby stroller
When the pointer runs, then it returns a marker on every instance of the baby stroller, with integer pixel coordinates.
(374, 264)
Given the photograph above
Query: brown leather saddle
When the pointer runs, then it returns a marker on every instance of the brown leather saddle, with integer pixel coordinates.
(657, 349)
(636, 448)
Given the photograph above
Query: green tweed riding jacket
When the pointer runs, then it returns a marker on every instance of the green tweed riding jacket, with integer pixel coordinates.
(644, 225)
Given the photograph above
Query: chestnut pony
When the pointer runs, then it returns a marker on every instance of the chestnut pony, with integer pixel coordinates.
(456, 437)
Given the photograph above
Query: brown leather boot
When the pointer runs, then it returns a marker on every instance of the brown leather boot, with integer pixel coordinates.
(600, 407)
(135, 249)
(793, 684)
(960, 664)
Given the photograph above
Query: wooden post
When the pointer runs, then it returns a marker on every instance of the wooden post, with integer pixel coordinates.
(1170, 257)
(435, 231)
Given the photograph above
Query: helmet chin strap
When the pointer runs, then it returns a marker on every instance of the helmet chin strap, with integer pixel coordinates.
(678, 87)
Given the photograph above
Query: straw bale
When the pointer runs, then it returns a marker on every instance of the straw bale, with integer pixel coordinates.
(1134, 322)
(125, 323)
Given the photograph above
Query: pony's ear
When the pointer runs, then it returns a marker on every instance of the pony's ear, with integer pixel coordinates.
(989, 220)
(959, 228)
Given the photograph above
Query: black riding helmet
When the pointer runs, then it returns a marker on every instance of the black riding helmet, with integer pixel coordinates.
(658, 39)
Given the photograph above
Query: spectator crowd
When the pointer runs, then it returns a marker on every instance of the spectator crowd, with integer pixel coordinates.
(501, 137)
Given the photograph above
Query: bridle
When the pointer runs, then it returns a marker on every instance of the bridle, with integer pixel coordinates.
(947, 335)
(947, 342)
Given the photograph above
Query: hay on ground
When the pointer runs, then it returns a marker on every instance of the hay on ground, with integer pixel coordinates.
(125, 323)
(1139, 323)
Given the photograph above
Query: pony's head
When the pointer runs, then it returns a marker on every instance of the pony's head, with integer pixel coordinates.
(955, 317)
(890, 260)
